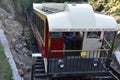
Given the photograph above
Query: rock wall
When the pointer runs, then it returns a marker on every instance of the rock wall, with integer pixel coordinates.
(14, 32)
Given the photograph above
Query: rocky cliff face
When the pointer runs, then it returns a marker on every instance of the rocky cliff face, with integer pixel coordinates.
(14, 30)
(8, 6)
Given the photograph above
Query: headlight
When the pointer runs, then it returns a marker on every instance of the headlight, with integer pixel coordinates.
(95, 62)
(61, 63)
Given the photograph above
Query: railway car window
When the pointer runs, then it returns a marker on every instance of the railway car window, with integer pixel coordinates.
(109, 36)
(39, 24)
(93, 34)
(73, 40)
(56, 35)
(42, 29)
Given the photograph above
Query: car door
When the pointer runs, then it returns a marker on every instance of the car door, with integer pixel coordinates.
(92, 41)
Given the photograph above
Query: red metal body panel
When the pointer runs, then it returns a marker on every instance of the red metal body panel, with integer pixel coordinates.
(56, 44)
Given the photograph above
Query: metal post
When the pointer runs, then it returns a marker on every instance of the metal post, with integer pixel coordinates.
(49, 51)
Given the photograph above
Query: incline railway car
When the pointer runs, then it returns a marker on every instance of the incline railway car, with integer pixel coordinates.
(73, 39)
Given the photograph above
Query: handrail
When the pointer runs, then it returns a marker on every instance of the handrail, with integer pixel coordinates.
(79, 50)
(107, 43)
(104, 48)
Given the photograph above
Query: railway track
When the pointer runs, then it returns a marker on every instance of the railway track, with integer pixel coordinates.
(38, 72)
(115, 68)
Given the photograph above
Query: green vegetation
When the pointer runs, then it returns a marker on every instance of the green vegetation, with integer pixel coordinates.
(5, 71)
(109, 6)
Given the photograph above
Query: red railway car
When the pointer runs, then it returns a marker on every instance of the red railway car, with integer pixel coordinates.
(73, 39)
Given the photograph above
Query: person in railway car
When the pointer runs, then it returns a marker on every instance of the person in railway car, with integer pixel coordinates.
(72, 41)
(68, 40)
(77, 41)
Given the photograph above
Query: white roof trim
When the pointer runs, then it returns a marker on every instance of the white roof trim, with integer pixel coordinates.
(78, 17)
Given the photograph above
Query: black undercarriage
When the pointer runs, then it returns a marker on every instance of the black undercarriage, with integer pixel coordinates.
(76, 67)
